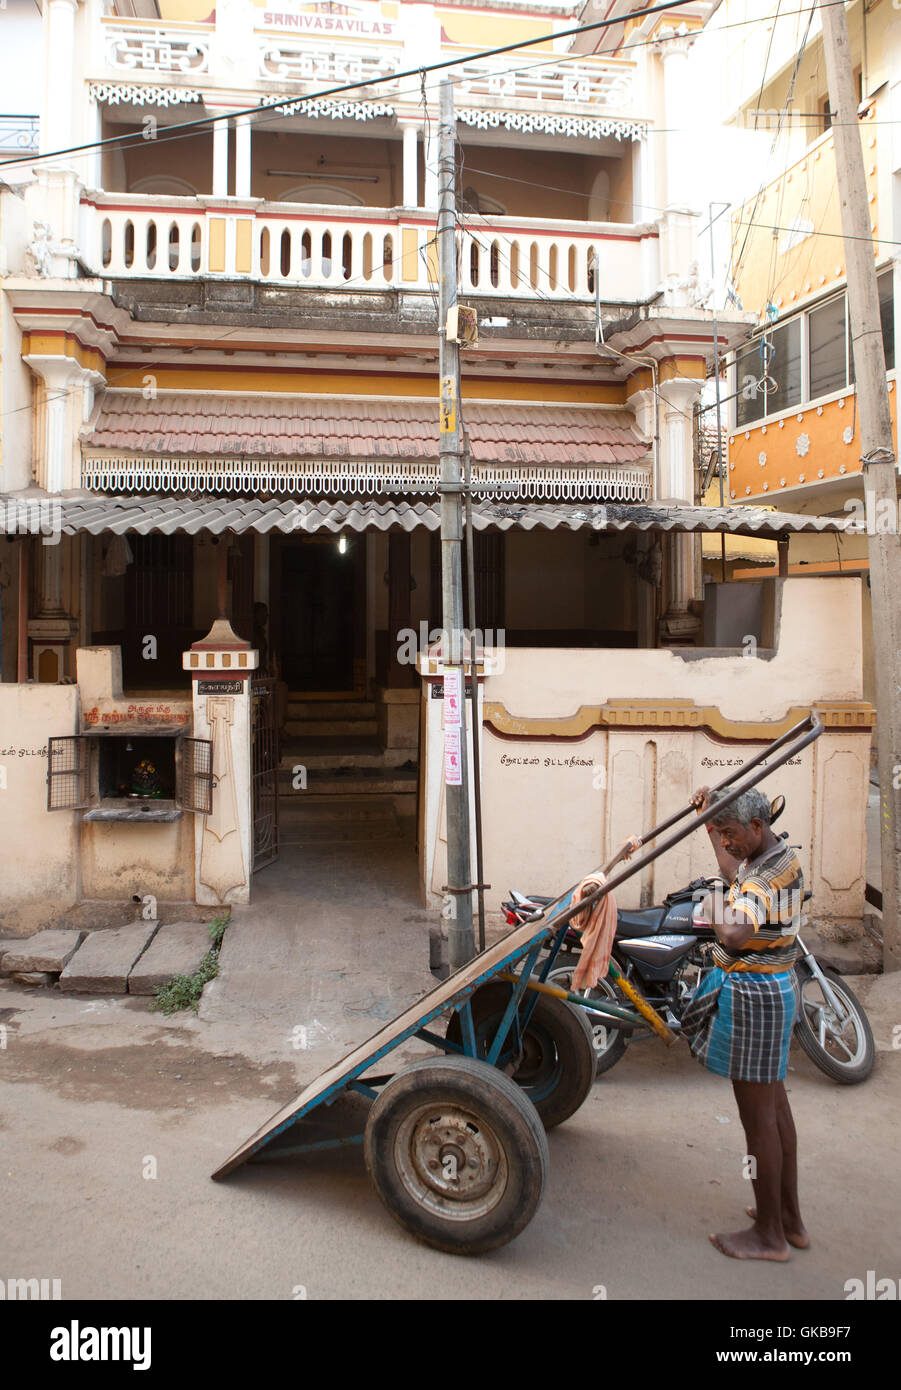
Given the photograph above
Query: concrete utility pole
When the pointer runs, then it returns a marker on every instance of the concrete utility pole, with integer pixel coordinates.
(460, 938)
(877, 456)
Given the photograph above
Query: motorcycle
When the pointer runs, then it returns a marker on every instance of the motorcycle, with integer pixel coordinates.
(665, 952)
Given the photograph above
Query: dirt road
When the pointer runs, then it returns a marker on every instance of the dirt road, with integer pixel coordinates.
(113, 1118)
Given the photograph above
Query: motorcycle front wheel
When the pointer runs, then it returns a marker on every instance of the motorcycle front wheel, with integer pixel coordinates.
(609, 1043)
(842, 1044)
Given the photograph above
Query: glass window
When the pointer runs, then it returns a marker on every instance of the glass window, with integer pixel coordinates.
(785, 368)
(887, 316)
(828, 348)
(749, 399)
(774, 358)
(830, 359)
(887, 321)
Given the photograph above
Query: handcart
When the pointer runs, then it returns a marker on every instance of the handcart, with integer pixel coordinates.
(456, 1144)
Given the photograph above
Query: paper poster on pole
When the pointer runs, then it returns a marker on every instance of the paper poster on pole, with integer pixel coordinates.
(453, 767)
(453, 698)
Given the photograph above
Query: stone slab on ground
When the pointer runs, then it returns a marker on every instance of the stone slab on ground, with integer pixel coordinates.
(177, 949)
(104, 962)
(45, 951)
(33, 977)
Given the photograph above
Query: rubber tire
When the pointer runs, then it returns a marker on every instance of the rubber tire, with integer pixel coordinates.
(487, 1093)
(571, 1036)
(848, 1076)
(617, 1040)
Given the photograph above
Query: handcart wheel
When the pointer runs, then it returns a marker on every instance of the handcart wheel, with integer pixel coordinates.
(457, 1154)
(558, 1062)
(609, 1042)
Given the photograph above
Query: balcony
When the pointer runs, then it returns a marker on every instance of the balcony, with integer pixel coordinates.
(188, 54)
(129, 236)
(18, 135)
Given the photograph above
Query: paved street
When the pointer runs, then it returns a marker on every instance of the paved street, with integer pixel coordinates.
(92, 1090)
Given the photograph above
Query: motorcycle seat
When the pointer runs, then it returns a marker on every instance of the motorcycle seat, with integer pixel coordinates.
(640, 921)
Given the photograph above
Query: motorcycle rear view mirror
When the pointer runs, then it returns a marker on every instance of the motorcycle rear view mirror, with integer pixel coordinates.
(777, 806)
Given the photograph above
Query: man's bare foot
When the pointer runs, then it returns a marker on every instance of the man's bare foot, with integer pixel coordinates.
(798, 1238)
(749, 1245)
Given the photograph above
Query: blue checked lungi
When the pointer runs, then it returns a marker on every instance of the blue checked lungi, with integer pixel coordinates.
(739, 1024)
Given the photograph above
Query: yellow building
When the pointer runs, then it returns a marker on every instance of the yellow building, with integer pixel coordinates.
(793, 426)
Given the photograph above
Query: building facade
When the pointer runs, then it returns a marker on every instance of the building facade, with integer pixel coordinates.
(792, 422)
(220, 282)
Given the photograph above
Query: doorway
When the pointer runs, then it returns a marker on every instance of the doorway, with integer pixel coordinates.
(320, 612)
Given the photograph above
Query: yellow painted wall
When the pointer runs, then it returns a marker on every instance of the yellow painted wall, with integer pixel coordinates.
(792, 268)
(760, 458)
(242, 379)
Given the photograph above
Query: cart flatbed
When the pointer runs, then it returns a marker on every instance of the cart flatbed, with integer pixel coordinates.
(456, 1147)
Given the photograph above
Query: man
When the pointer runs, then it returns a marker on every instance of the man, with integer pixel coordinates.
(739, 1021)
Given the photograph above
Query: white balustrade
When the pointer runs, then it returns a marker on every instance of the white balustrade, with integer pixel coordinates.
(140, 47)
(297, 60)
(588, 81)
(378, 249)
(156, 49)
(19, 133)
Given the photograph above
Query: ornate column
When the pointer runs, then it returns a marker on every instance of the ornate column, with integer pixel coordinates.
(68, 399)
(67, 405)
(431, 195)
(52, 201)
(677, 226)
(411, 164)
(220, 158)
(57, 123)
(679, 625)
(242, 156)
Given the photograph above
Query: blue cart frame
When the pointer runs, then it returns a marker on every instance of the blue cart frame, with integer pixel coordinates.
(521, 947)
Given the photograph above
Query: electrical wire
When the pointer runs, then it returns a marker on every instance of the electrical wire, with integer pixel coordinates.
(312, 97)
(735, 266)
(566, 296)
(440, 66)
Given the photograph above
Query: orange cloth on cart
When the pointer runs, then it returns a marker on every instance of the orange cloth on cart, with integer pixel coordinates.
(598, 927)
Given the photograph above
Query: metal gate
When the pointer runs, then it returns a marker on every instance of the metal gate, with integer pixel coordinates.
(264, 771)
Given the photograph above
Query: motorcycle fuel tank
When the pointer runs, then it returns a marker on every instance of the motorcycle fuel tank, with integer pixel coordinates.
(657, 955)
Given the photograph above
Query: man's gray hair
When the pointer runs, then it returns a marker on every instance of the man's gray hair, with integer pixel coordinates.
(751, 805)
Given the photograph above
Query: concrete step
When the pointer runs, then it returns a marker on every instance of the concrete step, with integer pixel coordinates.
(294, 810)
(332, 832)
(351, 781)
(300, 707)
(330, 728)
(332, 753)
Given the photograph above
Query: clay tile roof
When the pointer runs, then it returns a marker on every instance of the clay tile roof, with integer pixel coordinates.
(203, 426)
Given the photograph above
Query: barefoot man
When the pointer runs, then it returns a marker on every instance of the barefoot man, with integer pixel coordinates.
(740, 1019)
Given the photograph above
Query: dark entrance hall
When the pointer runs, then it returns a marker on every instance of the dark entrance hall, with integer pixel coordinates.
(319, 612)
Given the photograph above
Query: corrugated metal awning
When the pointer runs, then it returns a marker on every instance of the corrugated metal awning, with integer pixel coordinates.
(143, 515)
